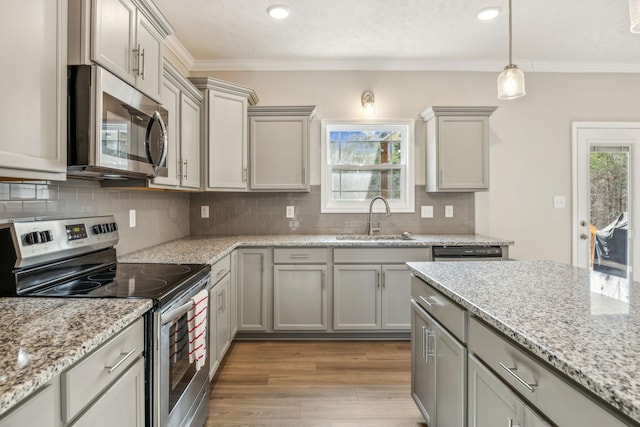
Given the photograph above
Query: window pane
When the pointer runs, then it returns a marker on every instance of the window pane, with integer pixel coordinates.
(380, 147)
(363, 185)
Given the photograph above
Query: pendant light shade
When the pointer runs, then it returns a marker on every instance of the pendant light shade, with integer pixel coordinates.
(511, 83)
(634, 16)
(511, 79)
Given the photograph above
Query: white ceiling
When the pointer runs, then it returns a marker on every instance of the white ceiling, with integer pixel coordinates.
(548, 35)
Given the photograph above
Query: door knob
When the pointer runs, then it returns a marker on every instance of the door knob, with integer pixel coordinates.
(584, 236)
(583, 223)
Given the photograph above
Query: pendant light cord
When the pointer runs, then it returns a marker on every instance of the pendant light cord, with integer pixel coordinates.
(510, 29)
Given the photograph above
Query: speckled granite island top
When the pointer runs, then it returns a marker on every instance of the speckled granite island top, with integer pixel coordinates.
(41, 337)
(209, 249)
(555, 312)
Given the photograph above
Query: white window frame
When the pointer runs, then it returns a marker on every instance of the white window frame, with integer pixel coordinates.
(407, 202)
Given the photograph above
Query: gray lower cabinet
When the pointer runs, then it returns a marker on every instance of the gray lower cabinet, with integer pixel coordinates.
(219, 313)
(438, 371)
(252, 289)
(300, 297)
(121, 405)
(491, 403)
(233, 295)
(42, 409)
(371, 296)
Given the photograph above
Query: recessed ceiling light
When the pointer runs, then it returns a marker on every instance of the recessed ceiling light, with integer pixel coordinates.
(488, 13)
(278, 11)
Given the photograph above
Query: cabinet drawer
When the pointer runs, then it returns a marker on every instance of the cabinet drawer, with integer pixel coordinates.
(300, 255)
(220, 268)
(449, 314)
(557, 399)
(380, 255)
(86, 380)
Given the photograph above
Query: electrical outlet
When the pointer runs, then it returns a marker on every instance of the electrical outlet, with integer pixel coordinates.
(448, 211)
(559, 202)
(290, 213)
(204, 211)
(426, 211)
(132, 218)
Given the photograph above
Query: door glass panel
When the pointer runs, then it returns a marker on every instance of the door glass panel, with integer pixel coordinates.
(609, 204)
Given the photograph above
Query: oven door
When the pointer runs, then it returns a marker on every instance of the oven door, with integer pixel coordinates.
(181, 391)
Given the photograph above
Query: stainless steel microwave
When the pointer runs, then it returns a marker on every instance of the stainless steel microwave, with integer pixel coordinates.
(114, 130)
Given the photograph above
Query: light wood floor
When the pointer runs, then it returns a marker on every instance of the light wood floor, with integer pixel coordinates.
(314, 384)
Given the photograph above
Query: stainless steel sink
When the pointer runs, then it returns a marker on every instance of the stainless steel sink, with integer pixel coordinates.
(375, 237)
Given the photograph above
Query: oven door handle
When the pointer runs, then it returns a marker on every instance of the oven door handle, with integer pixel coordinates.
(175, 313)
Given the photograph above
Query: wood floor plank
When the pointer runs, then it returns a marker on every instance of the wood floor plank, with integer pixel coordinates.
(314, 384)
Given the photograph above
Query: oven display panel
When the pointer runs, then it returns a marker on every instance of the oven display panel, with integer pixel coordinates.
(76, 232)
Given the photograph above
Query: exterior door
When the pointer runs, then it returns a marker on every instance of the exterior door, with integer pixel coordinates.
(605, 172)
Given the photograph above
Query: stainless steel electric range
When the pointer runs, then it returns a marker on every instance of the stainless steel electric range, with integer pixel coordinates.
(75, 257)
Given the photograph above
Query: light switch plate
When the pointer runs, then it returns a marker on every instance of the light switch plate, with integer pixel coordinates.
(559, 202)
(132, 218)
(290, 212)
(426, 211)
(204, 211)
(448, 211)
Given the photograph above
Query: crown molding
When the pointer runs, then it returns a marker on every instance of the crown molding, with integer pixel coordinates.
(178, 49)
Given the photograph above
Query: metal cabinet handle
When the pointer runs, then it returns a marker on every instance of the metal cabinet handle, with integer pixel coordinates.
(424, 344)
(430, 347)
(138, 60)
(529, 387)
(426, 301)
(179, 169)
(124, 357)
(300, 256)
(143, 64)
(377, 279)
(384, 279)
(186, 168)
(244, 175)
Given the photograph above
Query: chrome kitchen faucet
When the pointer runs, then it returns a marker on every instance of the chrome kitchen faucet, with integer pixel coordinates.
(372, 230)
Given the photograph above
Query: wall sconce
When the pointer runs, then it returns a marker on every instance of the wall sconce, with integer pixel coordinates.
(368, 102)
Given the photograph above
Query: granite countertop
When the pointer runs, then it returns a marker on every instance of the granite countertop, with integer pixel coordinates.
(588, 331)
(209, 249)
(41, 337)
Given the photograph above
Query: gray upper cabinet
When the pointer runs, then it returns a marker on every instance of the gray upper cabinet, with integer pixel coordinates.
(279, 136)
(183, 102)
(225, 147)
(124, 36)
(457, 148)
(33, 110)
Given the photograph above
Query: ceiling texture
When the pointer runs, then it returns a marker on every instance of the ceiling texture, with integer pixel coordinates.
(548, 35)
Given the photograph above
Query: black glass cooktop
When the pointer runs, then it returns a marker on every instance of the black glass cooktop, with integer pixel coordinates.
(125, 280)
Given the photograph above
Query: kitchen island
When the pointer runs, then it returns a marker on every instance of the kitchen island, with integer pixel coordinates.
(42, 337)
(586, 334)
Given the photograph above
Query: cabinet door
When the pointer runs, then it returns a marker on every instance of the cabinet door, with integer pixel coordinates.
(42, 409)
(190, 140)
(277, 141)
(227, 142)
(300, 297)
(222, 317)
(233, 296)
(149, 58)
(491, 403)
(252, 289)
(450, 358)
(33, 107)
(463, 153)
(423, 374)
(121, 405)
(212, 340)
(356, 297)
(113, 33)
(396, 293)
(170, 98)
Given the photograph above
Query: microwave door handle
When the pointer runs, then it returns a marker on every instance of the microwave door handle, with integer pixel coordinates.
(163, 139)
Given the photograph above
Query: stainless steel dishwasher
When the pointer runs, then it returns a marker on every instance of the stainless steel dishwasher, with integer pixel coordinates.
(467, 253)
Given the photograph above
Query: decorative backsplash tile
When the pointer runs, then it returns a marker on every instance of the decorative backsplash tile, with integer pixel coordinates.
(161, 216)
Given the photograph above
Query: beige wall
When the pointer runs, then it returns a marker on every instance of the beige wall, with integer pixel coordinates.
(530, 138)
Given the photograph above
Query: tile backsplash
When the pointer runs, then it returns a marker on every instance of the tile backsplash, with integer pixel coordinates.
(160, 216)
(264, 213)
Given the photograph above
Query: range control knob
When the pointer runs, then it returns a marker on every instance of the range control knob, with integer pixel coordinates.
(36, 237)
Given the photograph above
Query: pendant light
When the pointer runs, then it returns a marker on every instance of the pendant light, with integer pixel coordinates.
(511, 79)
